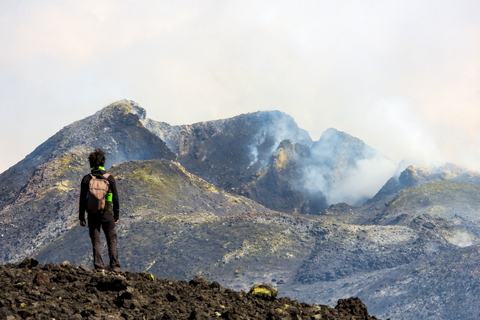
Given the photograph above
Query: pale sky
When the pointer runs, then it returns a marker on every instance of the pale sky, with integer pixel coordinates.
(402, 75)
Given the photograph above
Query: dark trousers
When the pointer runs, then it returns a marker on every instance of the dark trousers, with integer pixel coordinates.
(107, 223)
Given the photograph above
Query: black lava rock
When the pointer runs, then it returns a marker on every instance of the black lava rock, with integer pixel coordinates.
(33, 291)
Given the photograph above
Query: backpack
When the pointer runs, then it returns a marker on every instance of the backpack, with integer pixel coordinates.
(97, 192)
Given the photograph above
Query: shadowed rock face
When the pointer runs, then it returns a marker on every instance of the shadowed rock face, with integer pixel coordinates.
(227, 152)
(266, 157)
(238, 155)
(280, 185)
(30, 290)
(307, 179)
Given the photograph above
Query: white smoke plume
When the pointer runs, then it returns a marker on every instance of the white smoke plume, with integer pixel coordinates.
(363, 182)
(276, 128)
(345, 169)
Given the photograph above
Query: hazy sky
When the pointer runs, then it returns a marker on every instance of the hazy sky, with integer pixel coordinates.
(402, 75)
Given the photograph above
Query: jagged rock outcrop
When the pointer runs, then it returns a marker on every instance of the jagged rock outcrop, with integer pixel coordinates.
(280, 185)
(304, 179)
(266, 157)
(227, 152)
(414, 176)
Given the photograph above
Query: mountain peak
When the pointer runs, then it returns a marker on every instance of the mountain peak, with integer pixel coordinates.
(417, 175)
(120, 109)
(338, 138)
(337, 146)
(229, 151)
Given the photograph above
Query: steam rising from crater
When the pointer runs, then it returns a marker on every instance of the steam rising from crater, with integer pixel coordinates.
(276, 127)
(361, 182)
(462, 239)
(345, 169)
(341, 167)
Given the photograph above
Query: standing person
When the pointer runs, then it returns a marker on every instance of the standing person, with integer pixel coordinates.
(99, 198)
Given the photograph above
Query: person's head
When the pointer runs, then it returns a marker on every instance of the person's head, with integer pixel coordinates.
(97, 159)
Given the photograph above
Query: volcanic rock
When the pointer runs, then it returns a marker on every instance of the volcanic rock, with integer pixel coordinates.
(75, 293)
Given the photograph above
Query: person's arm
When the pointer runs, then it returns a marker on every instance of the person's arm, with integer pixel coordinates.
(83, 201)
(115, 200)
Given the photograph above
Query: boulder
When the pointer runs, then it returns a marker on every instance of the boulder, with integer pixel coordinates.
(264, 291)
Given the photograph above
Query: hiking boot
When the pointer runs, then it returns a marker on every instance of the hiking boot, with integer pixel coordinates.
(101, 271)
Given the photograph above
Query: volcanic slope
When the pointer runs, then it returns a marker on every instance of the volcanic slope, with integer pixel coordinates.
(227, 152)
(175, 224)
(412, 256)
(268, 158)
(304, 179)
(410, 252)
(39, 195)
(401, 268)
(416, 175)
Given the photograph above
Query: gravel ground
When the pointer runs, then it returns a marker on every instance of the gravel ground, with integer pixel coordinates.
(33, 291)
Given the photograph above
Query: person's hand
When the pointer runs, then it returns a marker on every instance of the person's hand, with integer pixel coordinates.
(83, 223)
(116, 221)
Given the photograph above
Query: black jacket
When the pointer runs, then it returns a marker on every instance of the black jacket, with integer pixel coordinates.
(84, 190)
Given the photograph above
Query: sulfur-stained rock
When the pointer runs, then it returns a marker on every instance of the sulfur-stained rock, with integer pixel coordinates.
(65, 264)
(264, 291)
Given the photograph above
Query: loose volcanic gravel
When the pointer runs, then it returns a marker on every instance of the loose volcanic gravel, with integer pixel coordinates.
(33, 291)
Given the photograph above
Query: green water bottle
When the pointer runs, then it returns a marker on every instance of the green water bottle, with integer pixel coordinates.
(108, 202)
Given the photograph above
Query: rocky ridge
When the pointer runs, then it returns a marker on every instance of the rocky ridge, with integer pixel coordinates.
(33, 291)
(265, 156)
(229, 152)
